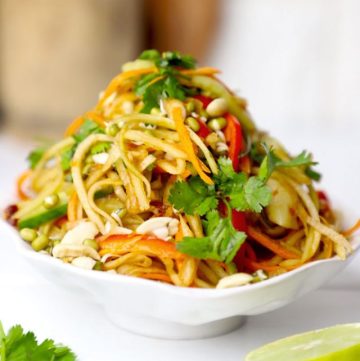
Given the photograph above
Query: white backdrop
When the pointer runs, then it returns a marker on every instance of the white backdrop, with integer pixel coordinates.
(297, 62)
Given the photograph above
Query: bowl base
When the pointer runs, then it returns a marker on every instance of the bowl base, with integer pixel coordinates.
(157, 328)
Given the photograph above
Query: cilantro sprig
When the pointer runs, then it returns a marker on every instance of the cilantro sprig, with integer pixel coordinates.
(243, 193)
(168, 58)
(237, 191)
(164, 83)
(269, 162)
(221, 243)
(246, 194)
(17, 345)
(193, 196)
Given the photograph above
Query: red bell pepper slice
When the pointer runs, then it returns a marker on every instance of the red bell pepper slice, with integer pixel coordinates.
(234, 138)
(238, 218)
(204, 100)
(204, 130)
(324, 201)
(239, 258)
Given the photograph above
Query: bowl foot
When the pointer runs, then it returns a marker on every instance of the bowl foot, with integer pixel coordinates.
(157, 328)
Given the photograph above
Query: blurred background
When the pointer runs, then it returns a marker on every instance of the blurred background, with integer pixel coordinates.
(297, 62)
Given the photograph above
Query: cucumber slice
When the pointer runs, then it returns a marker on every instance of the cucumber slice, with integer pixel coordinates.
(42, 215)
(218, 90)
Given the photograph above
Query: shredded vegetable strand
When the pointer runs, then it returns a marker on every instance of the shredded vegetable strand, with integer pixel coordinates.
(78, 180)
(176, 113)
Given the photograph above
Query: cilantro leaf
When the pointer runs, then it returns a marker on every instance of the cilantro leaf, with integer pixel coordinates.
(227, 180)
(254, 196)
(142, 85)
(313, 174)
(226, 169)
(20, 346)
(87, 128)
(35, 156)
(173, 89)
(151, 91)
(174, 58)
(271, 162)
(66, 157)
(150, 54)
(245, 194)
(221, 243)
(163, 84)
(100, 148)
(193, 196)
(168, 59)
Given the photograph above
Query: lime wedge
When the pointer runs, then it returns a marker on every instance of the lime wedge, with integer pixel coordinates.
(338, 343)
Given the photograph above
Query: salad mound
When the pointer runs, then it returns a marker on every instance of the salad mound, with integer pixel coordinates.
(167, 178)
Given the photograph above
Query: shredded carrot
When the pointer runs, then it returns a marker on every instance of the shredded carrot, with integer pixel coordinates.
(155, 80)
(187, 145)
(204, 167)
(77, 122)
(201, 71)
(270, 244)
(124, 243)
(351, 230)
(120, 78)
(74, 126)
(20, 181)
(72, 207)
(245, 164)
(328, 248)
(179, 234)
(156, 277)
(185, 174)
(254, 266)
(292, 267)
(61, 221)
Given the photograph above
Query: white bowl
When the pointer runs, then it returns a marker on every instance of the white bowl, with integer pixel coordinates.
(160, 310)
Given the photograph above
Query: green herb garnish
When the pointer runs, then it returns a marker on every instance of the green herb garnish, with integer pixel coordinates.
(243, 193)
(236, 191)
(193, 196)
(221, 243)
(87, 128)
(35, 155)
(269, 162)
(66, 157)
(165, 83)
(100, 148)
(19, 346)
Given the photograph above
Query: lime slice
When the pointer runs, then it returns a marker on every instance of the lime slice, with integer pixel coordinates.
(338, 343)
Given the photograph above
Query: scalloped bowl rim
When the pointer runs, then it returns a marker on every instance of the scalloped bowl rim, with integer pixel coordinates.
(28, 252)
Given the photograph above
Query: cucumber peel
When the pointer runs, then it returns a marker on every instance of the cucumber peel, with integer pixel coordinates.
(42, 215)
(218, 90)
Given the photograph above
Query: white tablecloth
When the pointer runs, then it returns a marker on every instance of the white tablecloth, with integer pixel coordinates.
(27, 298)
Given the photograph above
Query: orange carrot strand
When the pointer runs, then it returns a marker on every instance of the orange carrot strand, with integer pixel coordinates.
(270, 244)
(350, 231)
(20, 181)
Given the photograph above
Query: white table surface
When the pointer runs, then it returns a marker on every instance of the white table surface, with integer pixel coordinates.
(27, 298)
